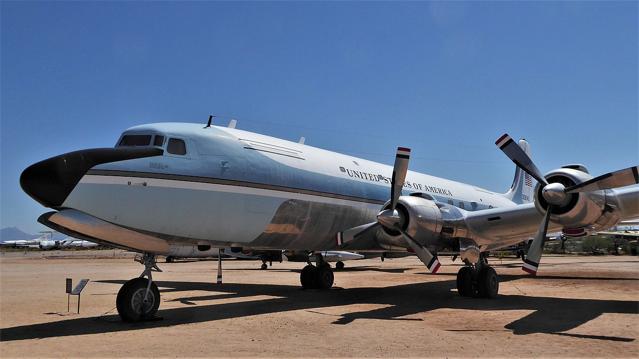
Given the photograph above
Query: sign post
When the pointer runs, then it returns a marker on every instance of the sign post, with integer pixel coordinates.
(75, 291)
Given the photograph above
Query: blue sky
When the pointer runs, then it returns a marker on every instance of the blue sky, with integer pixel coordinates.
(445, 79)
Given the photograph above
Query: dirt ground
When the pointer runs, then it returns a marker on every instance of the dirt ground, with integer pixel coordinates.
(576, 307)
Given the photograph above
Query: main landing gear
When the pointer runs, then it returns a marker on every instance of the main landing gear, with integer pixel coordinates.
(479, 280)
(139, 298)
(317, 277)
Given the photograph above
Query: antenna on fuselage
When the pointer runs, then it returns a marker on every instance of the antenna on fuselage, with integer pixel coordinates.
(233, 123)
(302, 140)
(208, 124)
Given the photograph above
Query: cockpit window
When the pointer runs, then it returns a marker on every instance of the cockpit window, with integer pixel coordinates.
(135, 140)
(176, 147)
(158, 141)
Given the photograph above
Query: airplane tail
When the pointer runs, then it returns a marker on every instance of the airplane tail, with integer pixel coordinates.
(521, 191)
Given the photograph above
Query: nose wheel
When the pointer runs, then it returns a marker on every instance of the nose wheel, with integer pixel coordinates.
(133, 302)
(139, 298)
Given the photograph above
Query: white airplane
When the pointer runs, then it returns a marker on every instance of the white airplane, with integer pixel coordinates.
(42, 242)
(167, 186)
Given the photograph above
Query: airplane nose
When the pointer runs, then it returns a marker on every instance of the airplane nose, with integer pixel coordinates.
(50, 181)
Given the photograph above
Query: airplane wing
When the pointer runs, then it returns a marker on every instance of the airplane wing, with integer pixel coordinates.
(500, 227)
(490, 228)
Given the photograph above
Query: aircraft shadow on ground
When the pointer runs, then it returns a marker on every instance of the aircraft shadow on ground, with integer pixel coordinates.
(549, 315)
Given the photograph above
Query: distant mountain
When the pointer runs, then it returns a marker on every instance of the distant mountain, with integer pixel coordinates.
(14, 234)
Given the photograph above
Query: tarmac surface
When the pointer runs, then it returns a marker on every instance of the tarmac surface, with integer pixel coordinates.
(576, 307)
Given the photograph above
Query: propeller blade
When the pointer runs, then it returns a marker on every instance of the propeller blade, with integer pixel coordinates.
(621, 178)
(521, 159)
(399, 174)
(430, 260)
(531, 263)
(355, 234)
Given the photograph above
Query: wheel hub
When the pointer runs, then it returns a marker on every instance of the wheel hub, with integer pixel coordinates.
(139, 304)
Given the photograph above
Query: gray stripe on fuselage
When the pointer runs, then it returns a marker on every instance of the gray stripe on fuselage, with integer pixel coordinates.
(229, 182)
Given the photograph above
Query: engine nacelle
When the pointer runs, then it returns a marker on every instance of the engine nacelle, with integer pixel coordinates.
(421, 219)
(580, 209)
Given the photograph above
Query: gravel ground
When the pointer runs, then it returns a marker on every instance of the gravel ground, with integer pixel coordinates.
(576, 307)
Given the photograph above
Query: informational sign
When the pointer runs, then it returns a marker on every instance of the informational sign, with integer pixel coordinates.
(75, 291)
(69, 285)
(78, 288)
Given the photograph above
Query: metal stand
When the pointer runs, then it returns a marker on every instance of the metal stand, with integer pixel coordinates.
(219, 266)
(76, 291)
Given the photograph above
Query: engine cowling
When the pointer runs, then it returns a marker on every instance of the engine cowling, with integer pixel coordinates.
(593, 210)
(420, 218)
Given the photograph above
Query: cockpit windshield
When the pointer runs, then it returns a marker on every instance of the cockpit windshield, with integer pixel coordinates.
(174, 146)
(135, 140)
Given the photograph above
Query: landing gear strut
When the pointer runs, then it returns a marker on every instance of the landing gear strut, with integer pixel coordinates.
(317, 277)
(479, 280)
(139, 298)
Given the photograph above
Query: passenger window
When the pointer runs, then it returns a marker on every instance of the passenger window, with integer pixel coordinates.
(135, 140)
(159, 141)
(176, 147)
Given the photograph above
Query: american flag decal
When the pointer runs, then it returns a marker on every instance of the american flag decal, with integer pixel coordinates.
(527, 180)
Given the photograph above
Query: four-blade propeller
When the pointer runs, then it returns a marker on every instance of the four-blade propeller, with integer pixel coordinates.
(391, 218)
(556, 194)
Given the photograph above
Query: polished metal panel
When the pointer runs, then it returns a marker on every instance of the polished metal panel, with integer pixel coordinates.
(469, 250)
(91, 226)
(424, 222)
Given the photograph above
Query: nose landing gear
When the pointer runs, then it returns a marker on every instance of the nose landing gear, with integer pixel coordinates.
(139, 298)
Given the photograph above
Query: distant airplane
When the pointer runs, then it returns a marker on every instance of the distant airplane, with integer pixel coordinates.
(271, 256)
(42, 242)
(167, 186)
(77, 243)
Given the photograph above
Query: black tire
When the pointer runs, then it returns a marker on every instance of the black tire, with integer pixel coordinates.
(465, 282)
(264, 266)
(308, 277)
(129, 300)
(325, 277)
(339, 265)
(487, 283)
(169, 259)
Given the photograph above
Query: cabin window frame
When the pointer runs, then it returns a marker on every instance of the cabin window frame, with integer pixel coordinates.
(186, 147)
(155, 137)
